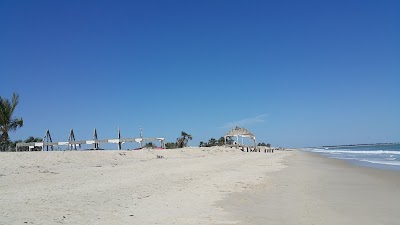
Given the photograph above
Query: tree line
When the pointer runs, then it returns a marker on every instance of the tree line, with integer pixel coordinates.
(12, 145)
(181, 141)
(216, 142)
(221, 141)
(263, 144)
(10, 123)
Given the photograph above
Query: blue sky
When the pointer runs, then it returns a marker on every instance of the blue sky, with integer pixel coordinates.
(295, 73)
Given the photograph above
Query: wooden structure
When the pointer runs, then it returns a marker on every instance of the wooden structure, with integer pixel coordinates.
(72, 142)
(243, 133)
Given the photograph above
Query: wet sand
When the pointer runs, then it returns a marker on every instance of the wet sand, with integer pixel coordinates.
(316, 190)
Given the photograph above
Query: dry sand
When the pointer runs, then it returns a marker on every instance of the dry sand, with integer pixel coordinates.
(178, 186)
(316, 190)
(193, 186)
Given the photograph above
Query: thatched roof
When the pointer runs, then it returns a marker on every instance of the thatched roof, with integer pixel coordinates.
(238, 131)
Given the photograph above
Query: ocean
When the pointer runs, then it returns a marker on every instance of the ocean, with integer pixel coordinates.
(377, 156)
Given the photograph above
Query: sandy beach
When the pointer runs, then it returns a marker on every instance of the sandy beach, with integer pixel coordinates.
(192, 186)
(313, 189)
(179, 186)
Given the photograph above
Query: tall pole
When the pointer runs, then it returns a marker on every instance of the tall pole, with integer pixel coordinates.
(44, 138)
(141, 137)
(119, 139)
(95, 139)
(71, 138)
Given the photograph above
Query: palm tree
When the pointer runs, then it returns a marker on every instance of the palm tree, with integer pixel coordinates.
(150, 145)
(33, 139)
(221, 141)
(7, 121)
(170, 145)
(212, 142)
(183, 140)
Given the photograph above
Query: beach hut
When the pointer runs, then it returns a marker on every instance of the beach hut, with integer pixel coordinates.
(240, 132)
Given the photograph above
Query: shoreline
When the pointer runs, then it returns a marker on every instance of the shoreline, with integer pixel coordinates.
(314, 189)
(377, 156)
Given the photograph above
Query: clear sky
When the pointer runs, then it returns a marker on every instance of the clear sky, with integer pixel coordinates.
(295, 73)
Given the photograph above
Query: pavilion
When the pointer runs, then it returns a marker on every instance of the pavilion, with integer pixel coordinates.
(240, 132)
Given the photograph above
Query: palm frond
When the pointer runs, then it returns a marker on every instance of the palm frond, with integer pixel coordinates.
(15, 123)
(7, 122)
(14, 103)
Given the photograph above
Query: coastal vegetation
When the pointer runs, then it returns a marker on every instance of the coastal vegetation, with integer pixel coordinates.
(8, 122)
(12, 144)
(263, 144)
(220, 142)
(170, 145)
(181, 141)
(150, 145)
(214, 142)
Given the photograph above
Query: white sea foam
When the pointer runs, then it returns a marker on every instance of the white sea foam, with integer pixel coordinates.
(388, 156)
(392, 163)
(357, 152)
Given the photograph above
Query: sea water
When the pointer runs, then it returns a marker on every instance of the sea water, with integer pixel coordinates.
(385, 156)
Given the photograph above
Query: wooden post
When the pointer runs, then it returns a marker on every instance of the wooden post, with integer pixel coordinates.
(141, 137)
(95, 139)
(119, 139)
(224, 141)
